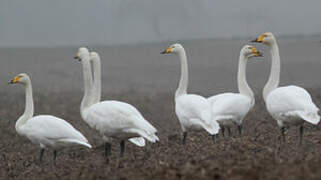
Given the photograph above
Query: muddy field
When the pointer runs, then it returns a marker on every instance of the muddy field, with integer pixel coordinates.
(257, 154)
(141, 76)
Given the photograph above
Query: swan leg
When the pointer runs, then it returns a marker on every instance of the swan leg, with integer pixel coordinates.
(107, 149)
(214, 138)
(223, 131)
(184, 137)
(301, 133)
(54, 156)
(283, 133)
(239, 127)
(41, 154)
(122, 148)
(229, 131)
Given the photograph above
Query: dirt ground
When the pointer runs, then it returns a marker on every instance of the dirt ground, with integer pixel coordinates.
(257, 154)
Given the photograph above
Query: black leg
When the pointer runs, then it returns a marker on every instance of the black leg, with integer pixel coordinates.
(223, 131)
(41, 154)
(184, 137)
(301, 133)
(229, 131)
(107, 149)
(239, 127)
(283, 133)
(122, 148)
(214, 138)
(54, 156)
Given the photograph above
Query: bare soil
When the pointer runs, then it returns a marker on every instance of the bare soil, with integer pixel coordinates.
(257, 154)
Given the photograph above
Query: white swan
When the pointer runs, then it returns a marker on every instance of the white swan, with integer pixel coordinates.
(96, 91)
(193, 111)
(289, 105)
(45, 130)
(230, 108)
(113, 119)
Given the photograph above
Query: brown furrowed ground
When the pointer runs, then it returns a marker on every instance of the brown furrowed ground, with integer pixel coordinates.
(257, 154)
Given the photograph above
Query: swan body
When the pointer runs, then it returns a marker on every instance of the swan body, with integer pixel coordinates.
(229, 109)
(50, 131)
(45, 130)
(96, 90)
(292, 105)
(119, 120)
(289, 105)
(193, 111)
(113, 119)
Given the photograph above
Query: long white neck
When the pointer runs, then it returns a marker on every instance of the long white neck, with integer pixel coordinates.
(183, 83)
(97, 80)
(242, 84)
(87, 99)
(29, 108)
(274, 78)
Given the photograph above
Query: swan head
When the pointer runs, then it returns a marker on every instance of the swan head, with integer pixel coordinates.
(94, 56)
(174, 48)
(265, 38)
(250, 51)
(22, 78)
(82, 53)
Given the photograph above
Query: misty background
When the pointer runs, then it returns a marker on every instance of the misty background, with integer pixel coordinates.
(114, 22)
(41, 37)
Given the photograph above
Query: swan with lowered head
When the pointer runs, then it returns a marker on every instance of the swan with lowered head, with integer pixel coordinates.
(113, 119)
(193, 111)
(288, 105)
(45, 130)
(230, 108)
(96, 91)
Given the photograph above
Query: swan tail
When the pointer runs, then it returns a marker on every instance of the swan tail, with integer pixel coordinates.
(310, 117)
(150, 136)
(212, 127)
(77, 142)
(138, 141)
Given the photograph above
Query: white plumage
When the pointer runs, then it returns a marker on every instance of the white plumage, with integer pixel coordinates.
(119, 120)
(45, 130)
(289, 105)
(193, 111)
(50, 131)
(230, 108)
(113, 119)
(292, 105)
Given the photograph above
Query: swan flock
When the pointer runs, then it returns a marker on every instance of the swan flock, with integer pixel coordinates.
(119, 121)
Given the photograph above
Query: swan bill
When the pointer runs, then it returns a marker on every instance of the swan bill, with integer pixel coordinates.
(15, 80)
(259, 39)
(167, 51)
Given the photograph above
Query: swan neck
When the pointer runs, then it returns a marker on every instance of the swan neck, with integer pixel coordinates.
(29, 107)
(87, 75)
(274, 77)
(183, 83)
(243, 86)
(97, 80)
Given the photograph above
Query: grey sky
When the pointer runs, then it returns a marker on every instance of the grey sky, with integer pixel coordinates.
(109, 22)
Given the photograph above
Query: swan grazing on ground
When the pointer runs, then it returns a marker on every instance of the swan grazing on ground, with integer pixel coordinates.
(193, 111)
(113, 119)
(230, 108)
(289, 105)
(45, 130)
(96, 91)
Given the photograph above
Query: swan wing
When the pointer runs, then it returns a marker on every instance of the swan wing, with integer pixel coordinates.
(292, 101)
(116, 116)
(138, 141)
(214, 98)
(53, 130)
(233, 105)
(197, 110)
